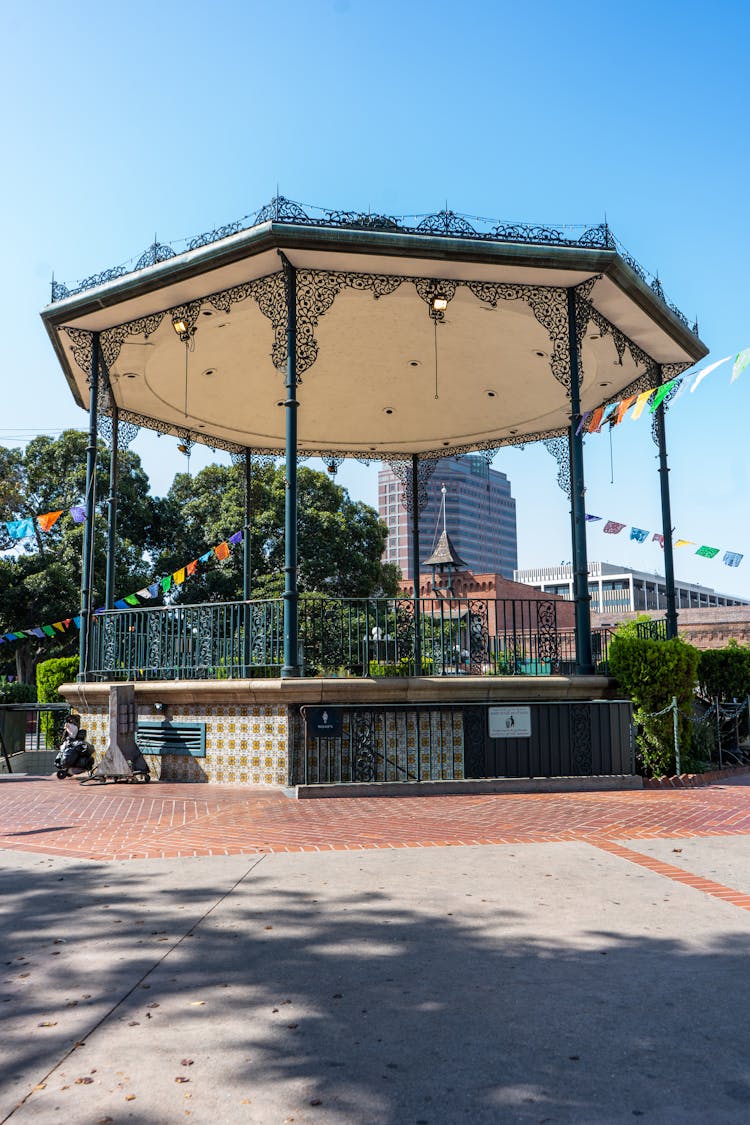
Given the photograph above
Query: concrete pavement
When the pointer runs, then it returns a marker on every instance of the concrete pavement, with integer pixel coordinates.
(533, 982)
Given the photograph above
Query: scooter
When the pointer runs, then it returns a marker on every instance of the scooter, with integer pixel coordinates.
(75, 755)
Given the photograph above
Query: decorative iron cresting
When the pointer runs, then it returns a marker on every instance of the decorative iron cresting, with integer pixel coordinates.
(444, 224)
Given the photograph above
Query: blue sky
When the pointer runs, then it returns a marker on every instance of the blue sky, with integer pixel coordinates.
(122, 121)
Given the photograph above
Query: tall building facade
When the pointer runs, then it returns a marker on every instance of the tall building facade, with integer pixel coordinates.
(480, 516)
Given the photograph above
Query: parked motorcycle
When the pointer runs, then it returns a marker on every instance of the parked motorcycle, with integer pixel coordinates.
(75, 755)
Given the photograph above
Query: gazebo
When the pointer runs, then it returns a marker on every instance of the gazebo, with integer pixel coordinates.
(342, 334)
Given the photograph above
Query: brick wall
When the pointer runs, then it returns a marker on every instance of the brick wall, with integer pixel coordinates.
(710, 627)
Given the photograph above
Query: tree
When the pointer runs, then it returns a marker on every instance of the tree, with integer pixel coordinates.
(340, 540)
(40, 581)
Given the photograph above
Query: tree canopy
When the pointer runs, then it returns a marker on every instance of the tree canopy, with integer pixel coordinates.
(340, 540)
(40, 581)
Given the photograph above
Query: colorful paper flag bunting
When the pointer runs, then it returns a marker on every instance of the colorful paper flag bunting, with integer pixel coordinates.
(78, 513)
(48, 520)
(661, 394)
(179, 576)
(742, 359)
(236, 538)
(708, 552)
(638, 534)
(684, 543)
(640, 402)
(222, 551)
(707, 371)
(166, 583)
(732, 558)
(584, 419)
(595, 424)
(592, 519)
(191, 567)
(612, 527)
(131, 599)
(623, 408)
(20, 529)
(658, 538)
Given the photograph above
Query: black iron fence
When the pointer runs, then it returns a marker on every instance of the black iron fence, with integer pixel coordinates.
(339, 637)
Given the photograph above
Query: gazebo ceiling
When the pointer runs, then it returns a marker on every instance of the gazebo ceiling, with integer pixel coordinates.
(382, 373)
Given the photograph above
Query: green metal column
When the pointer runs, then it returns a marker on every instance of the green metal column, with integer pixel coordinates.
(291, 665)
(88, 530)
(415, 561)
(581, 597)
(109, 589)
(666, 520)
(247, 575)
(247, 578)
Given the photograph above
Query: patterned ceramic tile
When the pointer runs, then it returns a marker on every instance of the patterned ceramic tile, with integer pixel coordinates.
(222, 764)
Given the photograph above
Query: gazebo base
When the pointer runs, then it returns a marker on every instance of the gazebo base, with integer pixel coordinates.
(320, 732)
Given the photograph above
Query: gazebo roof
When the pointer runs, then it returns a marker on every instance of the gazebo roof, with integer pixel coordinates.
(383, 372)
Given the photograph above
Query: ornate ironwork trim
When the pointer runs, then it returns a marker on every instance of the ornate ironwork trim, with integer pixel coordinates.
(445, 224)
(559, 448)
(403, 471)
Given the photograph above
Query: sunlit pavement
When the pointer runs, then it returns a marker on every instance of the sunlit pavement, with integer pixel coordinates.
(547, 958)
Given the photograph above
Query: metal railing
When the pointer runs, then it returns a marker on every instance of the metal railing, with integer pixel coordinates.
(339, 637)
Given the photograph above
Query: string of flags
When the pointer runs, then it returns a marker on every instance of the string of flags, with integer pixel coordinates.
(641, 535)
(26, 528)
(614, 412)
(161, 586)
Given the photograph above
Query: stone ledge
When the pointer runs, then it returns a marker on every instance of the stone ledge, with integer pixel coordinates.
(419, 689)
(468, 786)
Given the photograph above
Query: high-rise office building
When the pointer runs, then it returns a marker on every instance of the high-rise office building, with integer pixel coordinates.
(480, 516)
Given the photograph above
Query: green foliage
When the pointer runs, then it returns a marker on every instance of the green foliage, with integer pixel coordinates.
(40, 582)
(340, 541)
(50, 674)
(651, 673)
(14, 692)
(404, 667)
(724, 673)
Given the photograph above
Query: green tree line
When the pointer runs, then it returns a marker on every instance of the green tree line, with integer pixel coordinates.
(340, 540)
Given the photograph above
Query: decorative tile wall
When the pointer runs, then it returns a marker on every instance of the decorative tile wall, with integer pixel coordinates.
(403, 746)
(245, 745)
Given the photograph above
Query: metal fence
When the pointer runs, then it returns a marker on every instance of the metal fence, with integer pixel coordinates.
(29, 728)
(339, 637)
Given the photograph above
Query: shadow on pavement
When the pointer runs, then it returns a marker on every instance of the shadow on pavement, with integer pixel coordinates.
(302, 997)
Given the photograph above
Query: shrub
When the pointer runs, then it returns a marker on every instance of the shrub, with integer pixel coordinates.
(650, 673)
(50, 674)
(724, 673)
(13, 692)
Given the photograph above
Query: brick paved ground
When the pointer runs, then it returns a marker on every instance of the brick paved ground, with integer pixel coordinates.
(171, 819)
